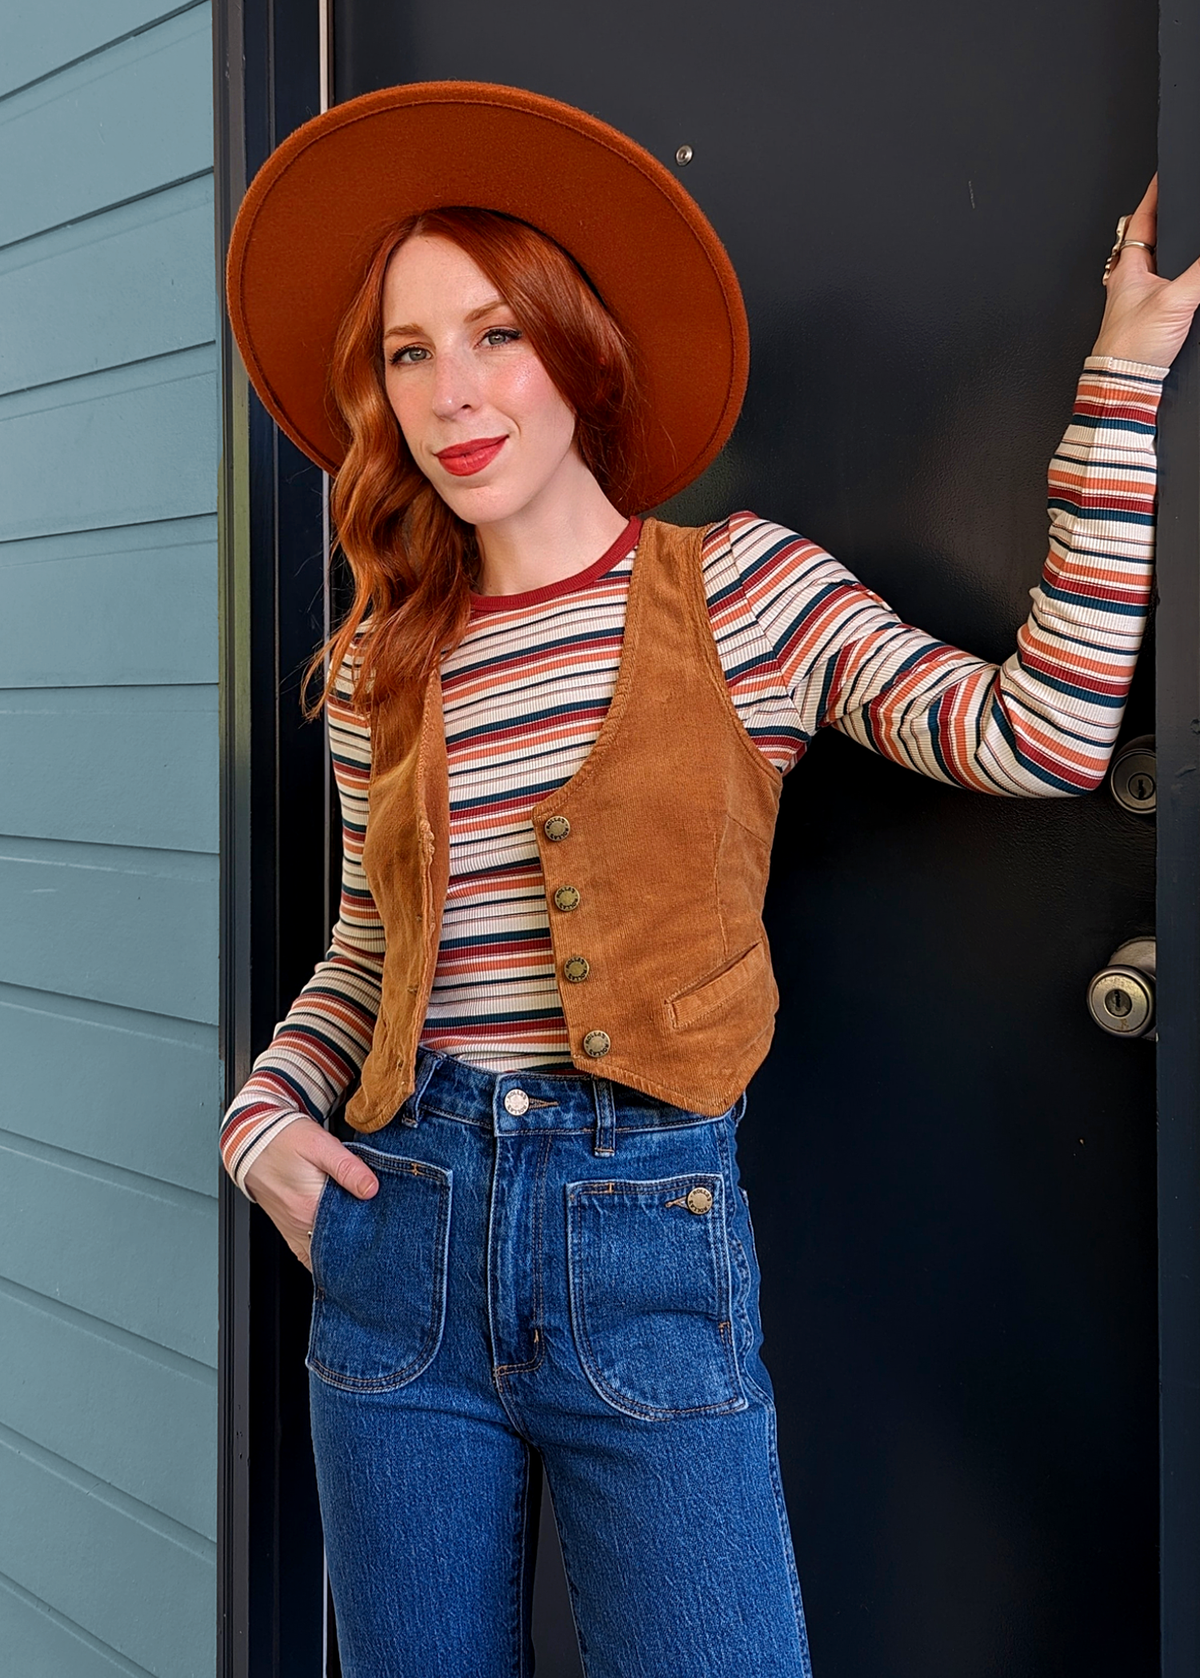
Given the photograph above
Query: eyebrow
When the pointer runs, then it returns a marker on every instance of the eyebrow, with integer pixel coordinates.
(476, 314)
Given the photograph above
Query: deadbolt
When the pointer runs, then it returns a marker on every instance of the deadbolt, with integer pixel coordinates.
(1121, 996)
(1132, 778)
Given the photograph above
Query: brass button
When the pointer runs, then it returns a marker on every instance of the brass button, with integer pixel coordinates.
(566, 897)
(516, 1102)
(576, 969)
(699, 1200)
(556, 827)
(596, 1044)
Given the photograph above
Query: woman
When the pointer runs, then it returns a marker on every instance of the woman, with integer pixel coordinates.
(559, 734)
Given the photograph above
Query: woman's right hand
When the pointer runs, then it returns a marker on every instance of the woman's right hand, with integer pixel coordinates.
(1146, 318)
(287, 1178)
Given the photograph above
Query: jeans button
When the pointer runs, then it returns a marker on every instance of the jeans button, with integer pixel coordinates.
(516, 1102)
(699, 1200)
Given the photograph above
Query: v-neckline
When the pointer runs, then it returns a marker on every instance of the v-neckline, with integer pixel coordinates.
(620, 694)
(612, 717)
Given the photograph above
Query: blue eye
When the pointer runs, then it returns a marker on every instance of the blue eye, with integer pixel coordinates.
(495, 336)
(402, 357)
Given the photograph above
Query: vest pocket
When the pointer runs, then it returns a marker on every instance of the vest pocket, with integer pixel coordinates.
(379, 1275)
(651, 1294)
(685, 1007)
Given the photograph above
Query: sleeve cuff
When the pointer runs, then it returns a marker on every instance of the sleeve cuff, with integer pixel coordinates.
(1143, 370)
(277, 1127)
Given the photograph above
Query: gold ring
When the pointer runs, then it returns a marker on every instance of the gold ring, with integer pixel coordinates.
(1119, 245)
(1113, 254)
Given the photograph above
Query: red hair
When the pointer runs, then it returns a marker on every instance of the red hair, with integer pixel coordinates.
(412, 559)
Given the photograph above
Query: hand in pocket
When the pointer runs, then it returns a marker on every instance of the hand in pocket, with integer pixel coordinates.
(288, 1177)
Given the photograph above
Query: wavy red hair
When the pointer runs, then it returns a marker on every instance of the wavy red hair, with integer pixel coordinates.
(412, 559)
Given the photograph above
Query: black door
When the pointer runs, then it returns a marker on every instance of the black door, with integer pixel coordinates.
(952, 1169)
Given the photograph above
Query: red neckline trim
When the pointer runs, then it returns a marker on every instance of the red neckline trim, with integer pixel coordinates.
(482, 603)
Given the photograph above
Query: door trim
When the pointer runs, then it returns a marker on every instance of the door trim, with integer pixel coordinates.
(271, 1589)
(1177, 633)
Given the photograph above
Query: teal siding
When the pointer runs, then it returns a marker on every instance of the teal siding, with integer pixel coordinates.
(91, 735)
(38, 41)
(120, 446)
(140, 283)
(114, 126)
(109, 428)
(112, 589)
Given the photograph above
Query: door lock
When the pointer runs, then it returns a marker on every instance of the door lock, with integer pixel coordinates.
(1121, 996)
(1132, 778)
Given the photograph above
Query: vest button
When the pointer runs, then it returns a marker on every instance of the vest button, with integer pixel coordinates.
(576, 969)
(597, 1044)
(566, 897)
(699, 1200)
(556, 827)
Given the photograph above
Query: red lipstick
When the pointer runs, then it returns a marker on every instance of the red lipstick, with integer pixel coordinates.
(465, 459)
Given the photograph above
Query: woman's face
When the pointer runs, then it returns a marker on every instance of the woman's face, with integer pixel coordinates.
(477, 409)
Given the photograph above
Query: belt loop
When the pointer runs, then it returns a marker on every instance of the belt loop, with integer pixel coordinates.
(606, 1117)
(426, 1065)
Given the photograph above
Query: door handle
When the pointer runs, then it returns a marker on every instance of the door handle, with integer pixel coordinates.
(1121, 996)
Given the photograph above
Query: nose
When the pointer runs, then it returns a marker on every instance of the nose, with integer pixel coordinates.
(453, 386)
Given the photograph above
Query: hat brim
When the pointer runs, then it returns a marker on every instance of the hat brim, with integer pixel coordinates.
(315, 211)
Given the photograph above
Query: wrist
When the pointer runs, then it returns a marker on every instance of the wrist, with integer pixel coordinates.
(259, 1146)
(1117, 348)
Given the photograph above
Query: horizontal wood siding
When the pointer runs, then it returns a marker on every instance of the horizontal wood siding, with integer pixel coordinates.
(111, 924)
(111, 592)
(91, 735)
(118, 447)
(109, 429)
(40, 40)
(140, 1066)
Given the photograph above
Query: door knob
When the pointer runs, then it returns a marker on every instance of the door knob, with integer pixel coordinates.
(1121, 996)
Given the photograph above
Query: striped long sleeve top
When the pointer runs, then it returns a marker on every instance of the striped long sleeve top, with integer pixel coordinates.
(803, 645)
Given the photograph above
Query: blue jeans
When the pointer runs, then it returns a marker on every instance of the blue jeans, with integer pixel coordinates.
(554, 1267)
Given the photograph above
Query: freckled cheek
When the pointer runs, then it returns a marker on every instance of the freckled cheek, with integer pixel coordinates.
(527, 394)
(409, 413)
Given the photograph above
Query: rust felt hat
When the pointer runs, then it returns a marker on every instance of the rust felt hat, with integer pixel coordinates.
(315, 211)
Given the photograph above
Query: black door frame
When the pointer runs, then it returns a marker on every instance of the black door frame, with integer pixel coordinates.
(275, 792)
(270, 68)
(1178, 741)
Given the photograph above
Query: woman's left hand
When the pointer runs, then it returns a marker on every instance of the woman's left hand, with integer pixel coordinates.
(1146, 317)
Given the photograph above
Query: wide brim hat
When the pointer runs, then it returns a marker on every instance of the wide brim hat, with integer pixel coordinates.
(316, 210)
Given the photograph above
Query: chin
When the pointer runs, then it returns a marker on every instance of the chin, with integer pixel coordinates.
(484, 503)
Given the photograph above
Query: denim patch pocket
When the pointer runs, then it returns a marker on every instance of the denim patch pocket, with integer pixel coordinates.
(650, 1294)
(379, 1275)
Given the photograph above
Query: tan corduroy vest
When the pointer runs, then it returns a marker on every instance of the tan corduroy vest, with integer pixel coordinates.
(654, 855)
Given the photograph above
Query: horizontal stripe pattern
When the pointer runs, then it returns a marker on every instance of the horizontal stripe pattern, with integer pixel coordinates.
(320, 1047)
(803, 645)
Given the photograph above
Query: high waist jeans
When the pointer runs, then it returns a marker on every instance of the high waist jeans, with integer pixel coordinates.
(554, 1268)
